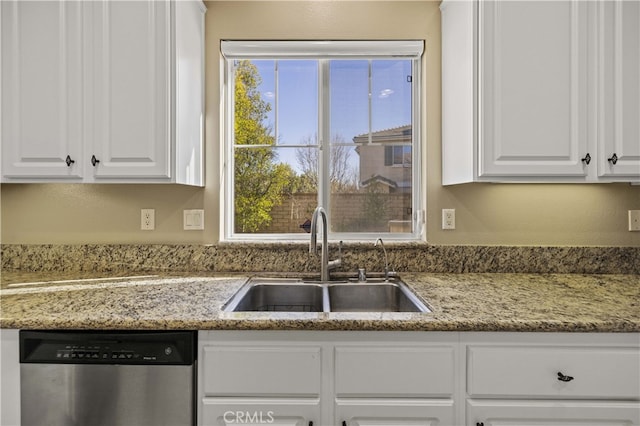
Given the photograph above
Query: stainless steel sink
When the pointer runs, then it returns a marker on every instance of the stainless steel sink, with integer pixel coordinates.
(375, 297)
(293, 295)
(287, 296)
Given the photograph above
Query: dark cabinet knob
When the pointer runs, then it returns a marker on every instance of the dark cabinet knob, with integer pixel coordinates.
(613, 159)
(94, 160)
(69, 161)
(586, 159)
(479, 424)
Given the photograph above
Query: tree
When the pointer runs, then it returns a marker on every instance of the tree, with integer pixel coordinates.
(259, 182)
(342, 176)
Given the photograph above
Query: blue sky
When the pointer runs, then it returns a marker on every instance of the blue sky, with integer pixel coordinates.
(298, 98)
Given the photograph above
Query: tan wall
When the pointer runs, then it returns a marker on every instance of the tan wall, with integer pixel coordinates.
(486, 213)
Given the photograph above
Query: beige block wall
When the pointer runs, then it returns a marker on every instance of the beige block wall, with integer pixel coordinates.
(514, 214)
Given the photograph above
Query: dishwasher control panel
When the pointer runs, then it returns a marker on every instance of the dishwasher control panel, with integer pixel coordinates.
(107, 348)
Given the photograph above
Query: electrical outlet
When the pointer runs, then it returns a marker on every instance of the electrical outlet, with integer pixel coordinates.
(448, 218)
(634, 220)
(147, 219)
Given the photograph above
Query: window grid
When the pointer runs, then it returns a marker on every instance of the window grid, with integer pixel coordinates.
(324, 145)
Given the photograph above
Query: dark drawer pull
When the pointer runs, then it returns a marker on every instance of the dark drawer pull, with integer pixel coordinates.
(69, 161)
(613, 159)
(586, 159)
(94, 160)
(564, 378)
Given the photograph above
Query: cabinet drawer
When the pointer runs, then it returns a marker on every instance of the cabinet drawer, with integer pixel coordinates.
(259, 411)
(550, 372)
(401, 371)
(261, 371)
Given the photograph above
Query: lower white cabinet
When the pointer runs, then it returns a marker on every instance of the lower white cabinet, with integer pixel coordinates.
(372, 378)
(327, 378)
(10, 375)
(552, 379)
(260, 411)
(394, 412)
(396, 384)
(556, 413)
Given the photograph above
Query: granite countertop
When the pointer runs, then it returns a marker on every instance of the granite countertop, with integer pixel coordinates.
(460, 302)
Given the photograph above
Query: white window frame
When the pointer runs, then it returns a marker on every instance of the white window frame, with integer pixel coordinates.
(233, 50)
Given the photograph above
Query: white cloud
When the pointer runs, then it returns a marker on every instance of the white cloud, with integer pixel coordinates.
(385, 93)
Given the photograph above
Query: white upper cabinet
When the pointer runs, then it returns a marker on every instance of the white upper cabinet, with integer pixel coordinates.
(533, 88)
(524, 98)
(131, 88)
(126, 103)
(619, 88)
(42, 88)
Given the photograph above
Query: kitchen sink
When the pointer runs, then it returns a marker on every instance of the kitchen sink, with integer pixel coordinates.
(374, 297)
(295, 295)
(276, 296)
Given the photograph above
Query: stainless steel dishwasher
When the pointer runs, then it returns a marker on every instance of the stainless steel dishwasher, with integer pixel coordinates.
(107, 378)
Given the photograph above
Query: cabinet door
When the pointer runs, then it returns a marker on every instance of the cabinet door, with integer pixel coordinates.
(10, 373)
(557, 413)
(394, 412)
(131, 86)
(619, 88)
(553, 372)
(261, 370)
(402, 371)
(42, 81)
(277, 412)
(533, 88)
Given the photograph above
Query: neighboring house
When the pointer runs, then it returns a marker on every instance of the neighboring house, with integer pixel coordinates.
(385, 159)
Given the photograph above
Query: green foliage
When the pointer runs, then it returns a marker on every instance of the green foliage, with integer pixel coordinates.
(259, 180)
(375, 205)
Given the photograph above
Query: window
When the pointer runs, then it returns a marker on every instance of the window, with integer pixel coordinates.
(397, 156)
(334, 124)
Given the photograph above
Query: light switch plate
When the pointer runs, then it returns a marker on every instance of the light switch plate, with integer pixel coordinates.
(634, 220)
(193, 220)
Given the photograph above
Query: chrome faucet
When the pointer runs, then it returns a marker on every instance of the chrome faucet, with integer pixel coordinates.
(313, 246)
(386, 260)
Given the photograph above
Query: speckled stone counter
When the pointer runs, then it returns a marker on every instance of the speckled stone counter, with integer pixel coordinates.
(294, 257)
(460, 302)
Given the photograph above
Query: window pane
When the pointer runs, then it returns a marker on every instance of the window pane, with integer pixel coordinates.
(381, 201)
(390, 94)
(250, 109)
(275, 189)
(297, 101)
(349, 92)
(267, 88)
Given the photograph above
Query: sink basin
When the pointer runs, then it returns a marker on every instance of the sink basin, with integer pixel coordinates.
(281, 297)
(293, 295)
(379, 297)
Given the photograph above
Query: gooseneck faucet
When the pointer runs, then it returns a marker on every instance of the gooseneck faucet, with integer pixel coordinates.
(313, 246)
(386, 261)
